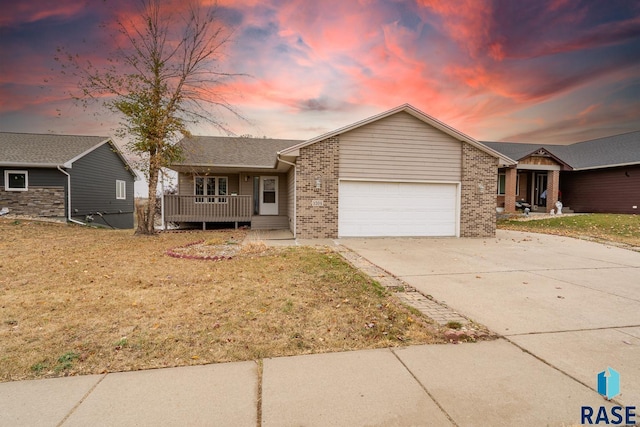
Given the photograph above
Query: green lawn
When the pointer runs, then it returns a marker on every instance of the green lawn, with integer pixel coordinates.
(608, 227)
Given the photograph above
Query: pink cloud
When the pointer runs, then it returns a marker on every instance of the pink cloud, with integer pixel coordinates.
(30, 11)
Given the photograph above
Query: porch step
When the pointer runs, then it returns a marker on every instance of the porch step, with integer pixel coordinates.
(269, 222)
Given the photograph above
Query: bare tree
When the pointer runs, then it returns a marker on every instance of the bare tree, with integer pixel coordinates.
(163, 78)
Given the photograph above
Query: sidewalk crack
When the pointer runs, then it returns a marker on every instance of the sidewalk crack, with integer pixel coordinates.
(425, 390)
(81, 401)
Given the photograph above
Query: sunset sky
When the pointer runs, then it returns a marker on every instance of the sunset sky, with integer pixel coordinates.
(555, 71)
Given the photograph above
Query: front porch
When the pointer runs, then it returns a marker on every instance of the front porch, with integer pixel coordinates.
(230, 209)
(534, 183)
(179, 208)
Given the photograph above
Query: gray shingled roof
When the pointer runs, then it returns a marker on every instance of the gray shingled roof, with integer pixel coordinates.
(609, 151)
(232, 151)
(44, 150)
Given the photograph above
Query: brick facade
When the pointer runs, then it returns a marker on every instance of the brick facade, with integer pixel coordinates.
(37, 201)
(511, 178)
(478, 193)
(317, 184)
(553, 185)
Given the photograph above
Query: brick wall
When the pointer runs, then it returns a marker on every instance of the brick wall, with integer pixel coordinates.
(37, 201)
(478, 193)
(553, 184)
(317, 210)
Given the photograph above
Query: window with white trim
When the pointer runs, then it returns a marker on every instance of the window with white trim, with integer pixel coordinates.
(212, 187)
(121, 190)
(16, 180)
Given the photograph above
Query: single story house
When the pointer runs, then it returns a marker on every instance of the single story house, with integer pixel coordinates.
(399, 173)
(77, 178)
(599, 175)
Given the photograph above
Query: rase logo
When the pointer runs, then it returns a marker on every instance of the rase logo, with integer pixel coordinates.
(609, 383)
(609, 387)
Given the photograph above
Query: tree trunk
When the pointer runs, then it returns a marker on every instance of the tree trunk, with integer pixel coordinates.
(148, 225)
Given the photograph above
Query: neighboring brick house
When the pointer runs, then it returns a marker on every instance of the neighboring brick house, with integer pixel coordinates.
(399, 173)
(599, 175)
(67, 177)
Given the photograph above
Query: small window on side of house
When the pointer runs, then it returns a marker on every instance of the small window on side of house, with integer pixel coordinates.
(121, 190)
(16, 180)
(502, 179)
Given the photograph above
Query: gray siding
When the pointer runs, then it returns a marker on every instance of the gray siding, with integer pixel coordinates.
(93, 188)
(39, 177)
(400, 147)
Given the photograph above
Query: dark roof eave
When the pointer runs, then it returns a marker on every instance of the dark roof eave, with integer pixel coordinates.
(619, 165)
(210, 165)
(30, 165)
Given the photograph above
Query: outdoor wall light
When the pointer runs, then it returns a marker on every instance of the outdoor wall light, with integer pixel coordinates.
(318, 182)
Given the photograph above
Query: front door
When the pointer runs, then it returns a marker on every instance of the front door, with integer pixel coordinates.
(540, 190)
(268, 195)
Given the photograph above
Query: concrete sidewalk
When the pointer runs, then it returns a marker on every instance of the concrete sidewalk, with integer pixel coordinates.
(487, 383)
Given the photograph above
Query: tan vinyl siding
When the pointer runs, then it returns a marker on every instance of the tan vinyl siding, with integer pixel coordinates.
(246, 187)
(186, 183)
(283, 196)
(400, 147)
(269, 222)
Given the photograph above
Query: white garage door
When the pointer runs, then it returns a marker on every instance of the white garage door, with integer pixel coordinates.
(396, 209)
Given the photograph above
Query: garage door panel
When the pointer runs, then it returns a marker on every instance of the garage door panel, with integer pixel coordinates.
(397, 209)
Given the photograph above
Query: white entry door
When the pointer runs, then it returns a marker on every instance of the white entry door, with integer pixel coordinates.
(268, 195)
(396, 209)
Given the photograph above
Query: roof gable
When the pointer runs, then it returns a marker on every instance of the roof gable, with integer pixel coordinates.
(415, 113)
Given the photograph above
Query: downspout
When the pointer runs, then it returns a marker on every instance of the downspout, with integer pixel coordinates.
(164, 224)
(295, 190)
(69, 197)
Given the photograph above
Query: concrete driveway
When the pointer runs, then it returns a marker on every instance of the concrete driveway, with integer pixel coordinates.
(573, 304)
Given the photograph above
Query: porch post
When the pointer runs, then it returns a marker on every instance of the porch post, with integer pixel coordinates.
(510, 175)
(553, 185)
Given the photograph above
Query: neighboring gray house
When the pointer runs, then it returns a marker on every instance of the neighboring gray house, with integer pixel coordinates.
(78, 178)
(599, 175)
(399, 173)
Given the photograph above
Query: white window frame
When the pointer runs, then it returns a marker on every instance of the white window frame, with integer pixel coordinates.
(211, 195)
(121, 190)
(7, 186)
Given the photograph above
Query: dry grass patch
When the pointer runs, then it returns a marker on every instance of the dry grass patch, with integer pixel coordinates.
(615, 228)
(76, 300)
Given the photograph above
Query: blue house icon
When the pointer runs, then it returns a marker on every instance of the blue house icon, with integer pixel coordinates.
(609, 383)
